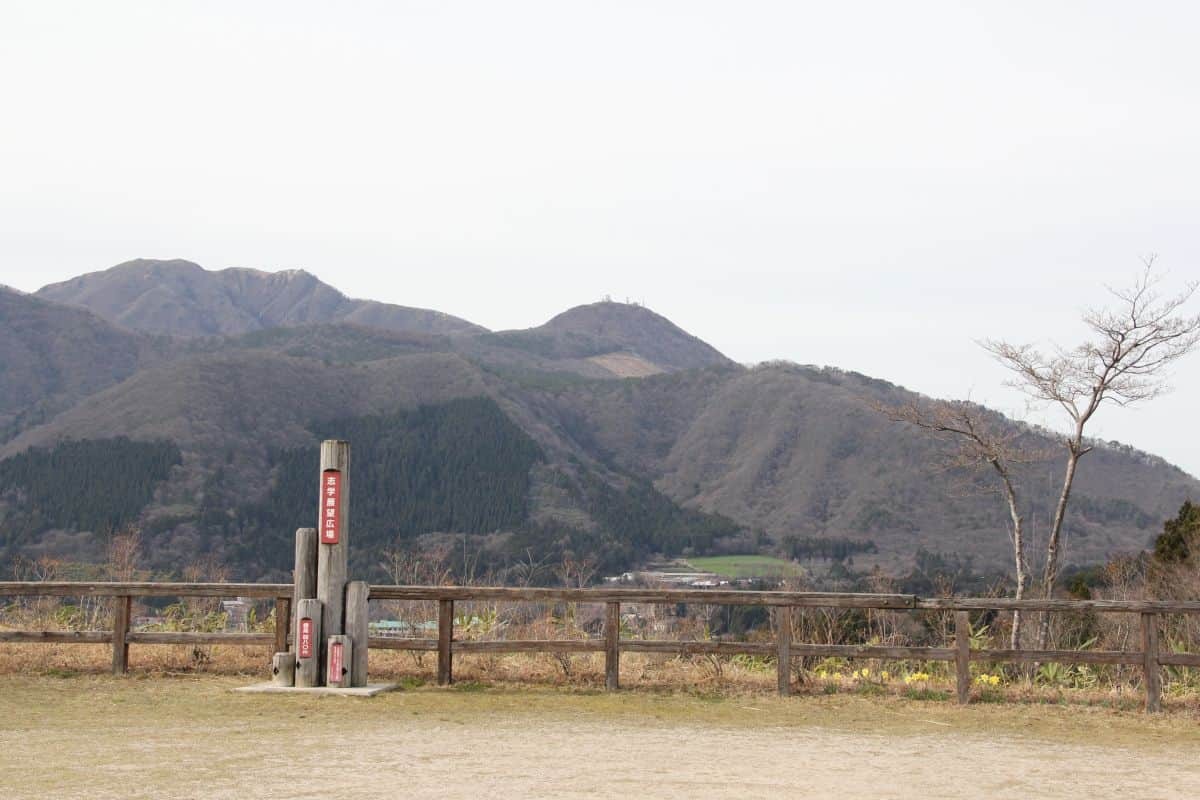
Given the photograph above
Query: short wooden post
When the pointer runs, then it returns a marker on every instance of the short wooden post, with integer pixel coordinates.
(1150, 665)
(283, 669)
(340, 655)
(612, 646)
(304, 572)
(445, 675)
(122, 607)
(783, 644)
(357, 628)
(283, 612)
(333, 537)
(308, 643)
(962, 655)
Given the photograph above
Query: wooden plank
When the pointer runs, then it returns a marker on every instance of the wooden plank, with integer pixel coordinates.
(1179, 659)
(333, 558)
(1005, 604)
(1150, 667)
(308, 667)
(612, 646)
(120, 635)
(696, 648)
(394, 643)
(264, 591)
(1059, 656)
(962, 656)
(58, 637)
(783, 646)
(872, 651)
(283, 622)
(201, 637)
(340, 652)
(531, 646)
(357, 628)
(445, 671)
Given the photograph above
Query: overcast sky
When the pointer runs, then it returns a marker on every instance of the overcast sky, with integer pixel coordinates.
(867, 185)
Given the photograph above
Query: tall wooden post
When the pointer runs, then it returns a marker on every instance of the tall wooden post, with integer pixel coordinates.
(445, 674)
(333, 537)
(1150, 666)
(357, 629)
(612, 646)
(783, 643)
(120, 642)
(308, 644)
(304, 571)
(962, 655)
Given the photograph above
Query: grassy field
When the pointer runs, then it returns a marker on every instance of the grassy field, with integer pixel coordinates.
(746, 566)
(191, 737)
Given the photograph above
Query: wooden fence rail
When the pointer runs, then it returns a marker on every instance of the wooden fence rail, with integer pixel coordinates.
(1149, 658)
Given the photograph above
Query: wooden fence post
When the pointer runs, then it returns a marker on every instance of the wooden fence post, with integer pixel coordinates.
(962, 655)
(612, 646)
(783, 643)
(1150, 666)
(122, 607)
(333, 536)
(445, 674)
(283, 623)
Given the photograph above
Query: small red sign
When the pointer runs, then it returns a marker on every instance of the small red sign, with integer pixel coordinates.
(306, 638)
(335, 662)
(331, 506)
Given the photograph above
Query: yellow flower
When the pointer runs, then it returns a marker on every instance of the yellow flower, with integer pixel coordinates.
(884, 675)
(865, 672)
(821, 674)
(994, 680)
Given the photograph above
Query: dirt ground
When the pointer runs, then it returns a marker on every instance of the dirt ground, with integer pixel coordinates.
(155, 737)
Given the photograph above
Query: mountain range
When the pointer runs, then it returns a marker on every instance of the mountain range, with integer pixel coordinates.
(607, 433)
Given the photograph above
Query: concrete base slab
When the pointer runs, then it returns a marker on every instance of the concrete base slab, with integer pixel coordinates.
(370, 690)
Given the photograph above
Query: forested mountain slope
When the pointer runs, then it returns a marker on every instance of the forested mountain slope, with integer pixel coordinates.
(606, 433)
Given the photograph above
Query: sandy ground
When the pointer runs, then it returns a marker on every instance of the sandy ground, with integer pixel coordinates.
(112, 738)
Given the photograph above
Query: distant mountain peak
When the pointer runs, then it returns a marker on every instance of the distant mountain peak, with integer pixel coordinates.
(182, 298)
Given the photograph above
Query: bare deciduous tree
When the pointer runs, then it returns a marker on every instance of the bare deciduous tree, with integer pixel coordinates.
(979, 442)
(1134, 342)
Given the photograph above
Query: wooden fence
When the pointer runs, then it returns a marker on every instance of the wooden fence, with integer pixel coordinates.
(1150, 658)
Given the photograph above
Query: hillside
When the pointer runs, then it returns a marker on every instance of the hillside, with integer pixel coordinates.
(51, 356)
(615, 435)
(184, 299)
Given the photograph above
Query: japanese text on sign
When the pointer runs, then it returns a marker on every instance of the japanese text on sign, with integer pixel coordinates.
(331, 506)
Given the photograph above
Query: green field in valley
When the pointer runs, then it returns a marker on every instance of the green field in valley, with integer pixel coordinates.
(746, 566)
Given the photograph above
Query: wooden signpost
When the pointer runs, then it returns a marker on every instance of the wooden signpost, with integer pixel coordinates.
(330, 629)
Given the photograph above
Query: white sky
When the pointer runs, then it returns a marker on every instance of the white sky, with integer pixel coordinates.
(867, 185)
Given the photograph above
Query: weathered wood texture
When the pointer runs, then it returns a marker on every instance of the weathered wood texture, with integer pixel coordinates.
(358, 594)
(200, 637)
(283, 622)
(141, 589)
(304, 568)
(308, 669)
(120, 634)
(333, 559)
(517, 646)
(662, 596)
(338, 669)
(783, 648)
(962, 656)
(283, 669)
(1150, 666)
(612, 646)
(445, 668)
(58, 637)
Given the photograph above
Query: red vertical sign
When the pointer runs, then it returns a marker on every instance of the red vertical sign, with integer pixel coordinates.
(306, 638)
(335, 662)
(331, 506)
